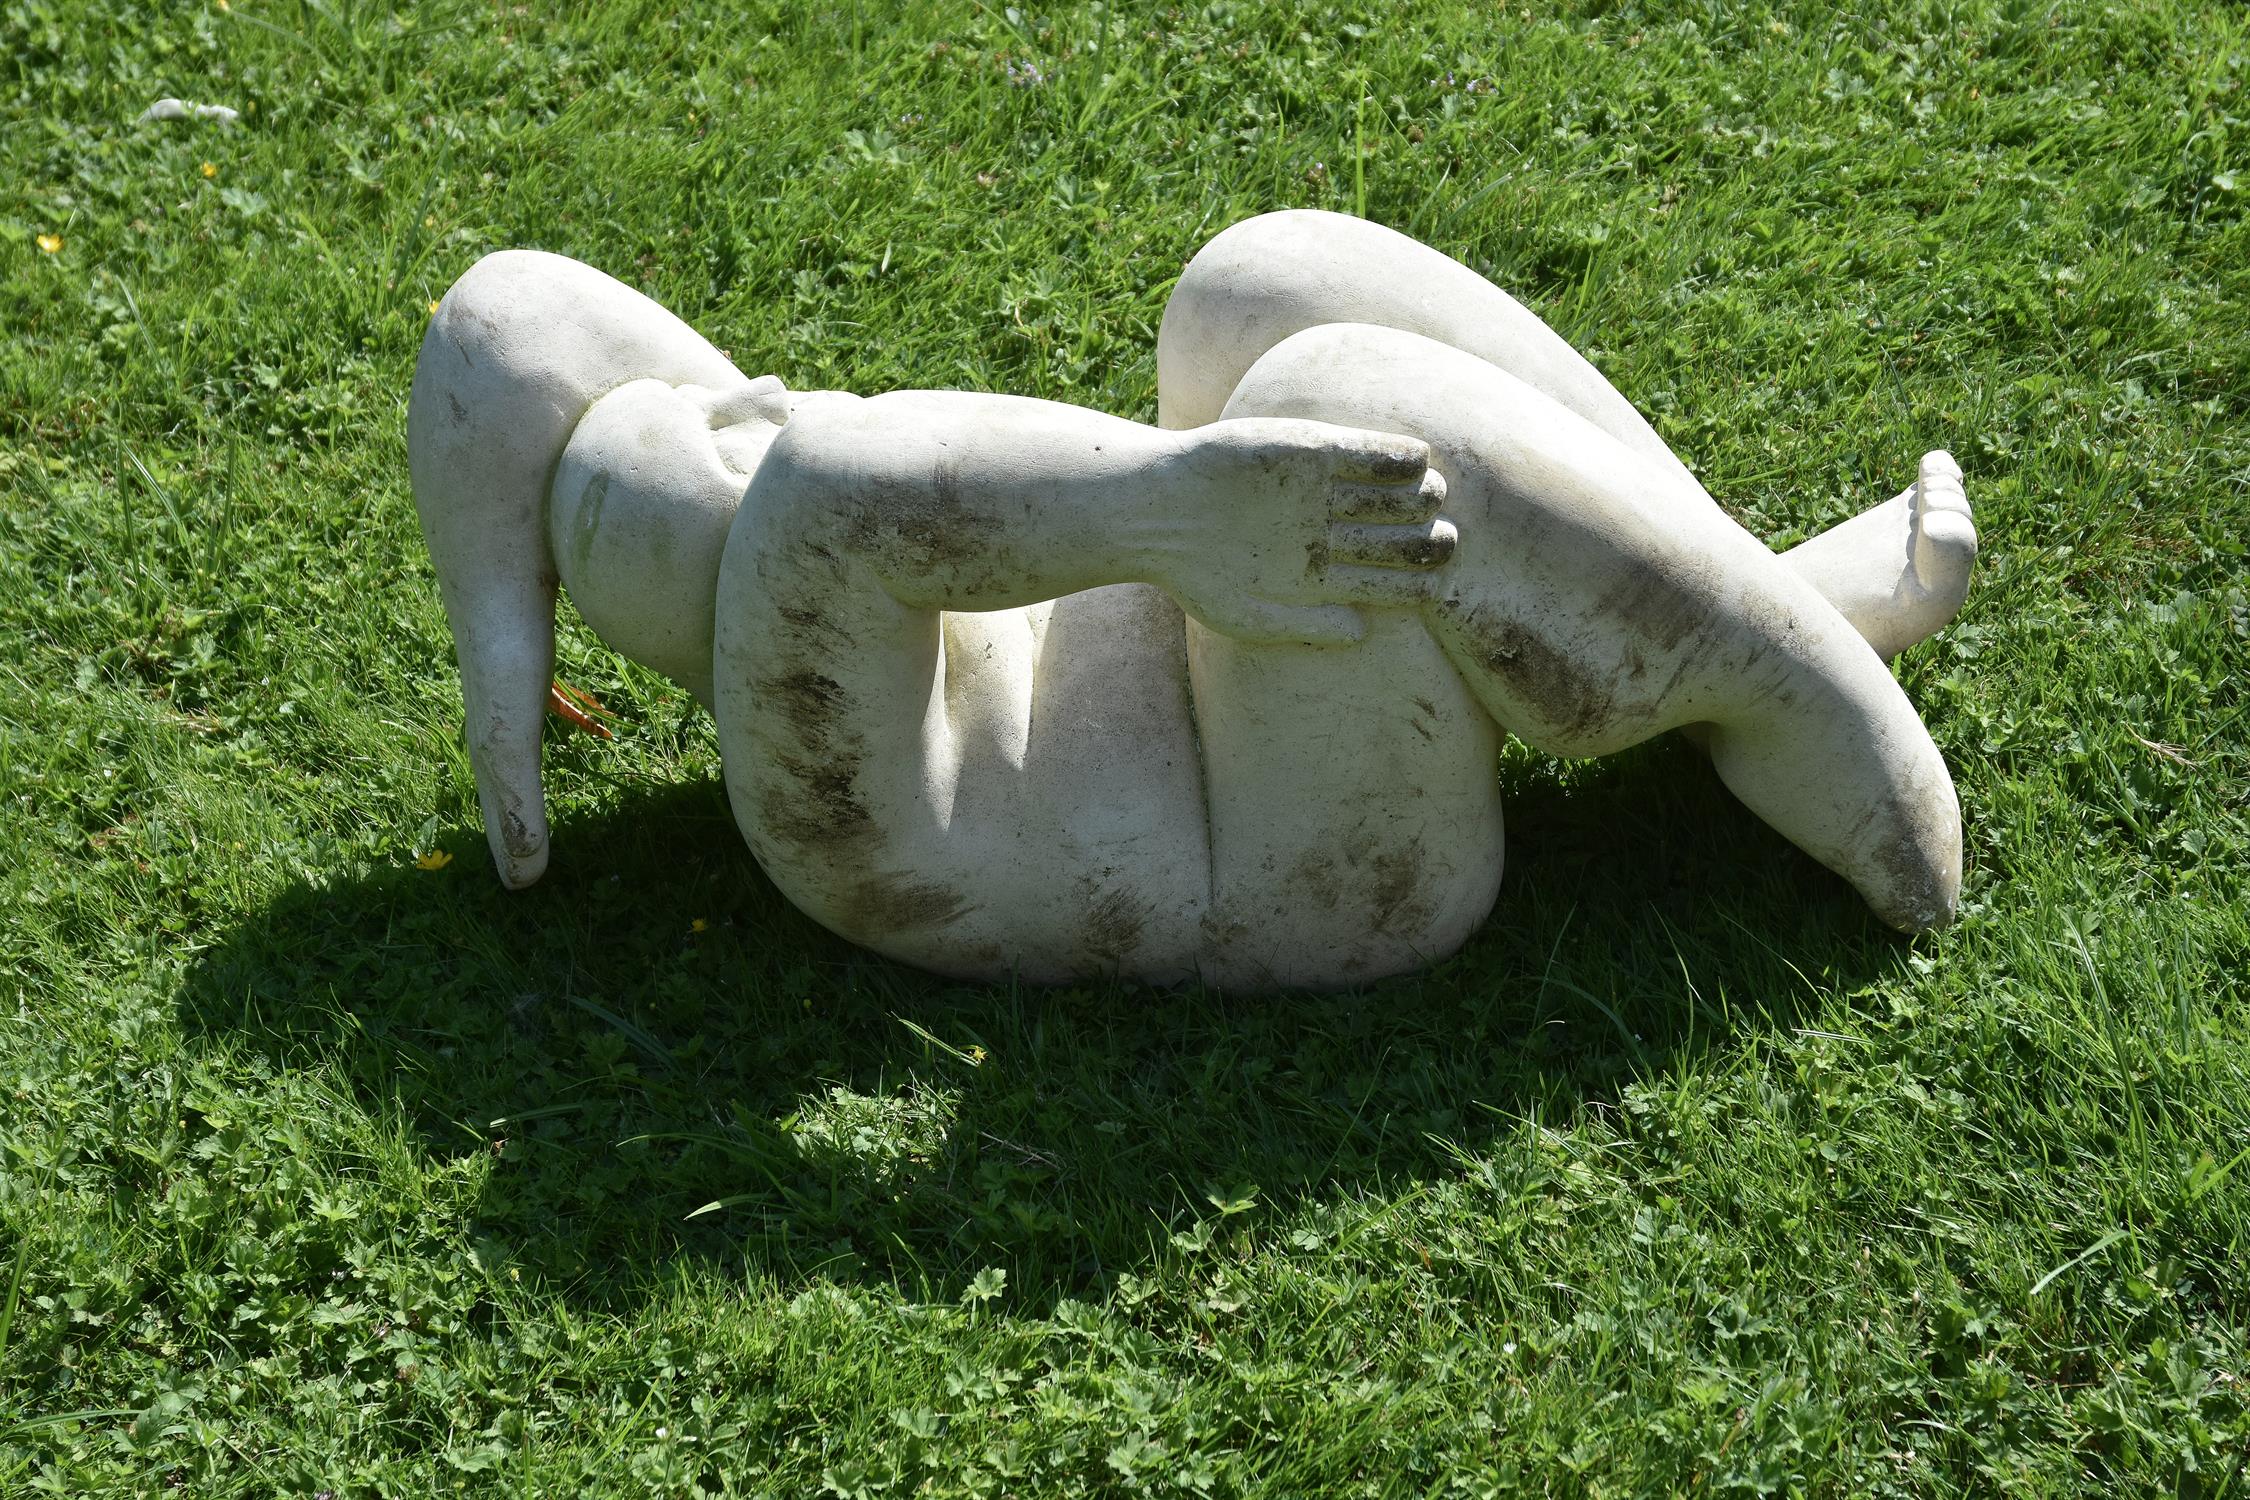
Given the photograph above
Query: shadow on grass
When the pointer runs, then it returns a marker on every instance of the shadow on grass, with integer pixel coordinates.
(653, 1029)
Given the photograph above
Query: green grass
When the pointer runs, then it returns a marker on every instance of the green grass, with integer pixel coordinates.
(322, 1172)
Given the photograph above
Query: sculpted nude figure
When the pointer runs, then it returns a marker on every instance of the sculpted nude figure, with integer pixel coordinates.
(1006, 687)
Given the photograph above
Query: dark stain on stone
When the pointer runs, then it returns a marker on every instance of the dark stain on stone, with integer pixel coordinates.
(1680, 670)
(1221, 932)
(811, 701)
(1114, 922)
(515, 835)
(588, 522)
(1400, 898)
(945, 482)
(814, 627)
(1428, 551)
(1651, 605)
(1912, 888)
(460, 412)
(923, 525)
(1315, 875)
(1573, 699)
(890, 902)
(821, 808)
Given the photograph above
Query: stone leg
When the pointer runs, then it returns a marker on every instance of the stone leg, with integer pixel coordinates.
(517, 352)
(1594, 601)
(1898, 571)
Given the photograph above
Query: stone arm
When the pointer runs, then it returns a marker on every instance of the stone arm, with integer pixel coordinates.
(1265, 529)
(872, 528)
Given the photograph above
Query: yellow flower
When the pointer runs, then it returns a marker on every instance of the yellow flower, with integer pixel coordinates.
(50, 243)
(222, 4)
(436, 859)
(433, 307)
(209, 170)
(977, 1055)
(699, 925)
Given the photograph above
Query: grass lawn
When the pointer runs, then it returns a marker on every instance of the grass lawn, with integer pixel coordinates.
(326, 1167)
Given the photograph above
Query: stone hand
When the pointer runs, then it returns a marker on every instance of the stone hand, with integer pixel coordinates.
(1290, 528)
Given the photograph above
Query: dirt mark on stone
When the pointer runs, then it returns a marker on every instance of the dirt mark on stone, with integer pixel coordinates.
(814, 627)
(1652, 605)
(821, 806)
(1572, 698)
(1115, 920)
(810, 701)
(923, 526)
(515, 835)
(1400, 896)
(1315, 875)
(1909, 892)
(1221, 932)
(891, 902)
(587, 524)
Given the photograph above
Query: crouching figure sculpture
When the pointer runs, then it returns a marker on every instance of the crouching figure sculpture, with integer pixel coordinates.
(1005, 687)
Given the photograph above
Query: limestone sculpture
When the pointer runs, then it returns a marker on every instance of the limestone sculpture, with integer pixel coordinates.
(1006, 687)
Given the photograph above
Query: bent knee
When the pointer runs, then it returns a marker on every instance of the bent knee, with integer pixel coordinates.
(1253, 285)
(553, 334)
(502, 307)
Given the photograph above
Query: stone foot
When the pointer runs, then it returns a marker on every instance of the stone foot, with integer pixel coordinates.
(1899, 571)
(1942, 541)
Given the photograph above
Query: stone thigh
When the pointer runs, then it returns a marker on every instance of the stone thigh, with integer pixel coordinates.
(1354, 802)
(1353, 792)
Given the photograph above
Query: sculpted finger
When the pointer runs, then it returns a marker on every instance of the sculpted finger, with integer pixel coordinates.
(1429, 546)
(1401, 503)
(1387, 588)
(1382, 458)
